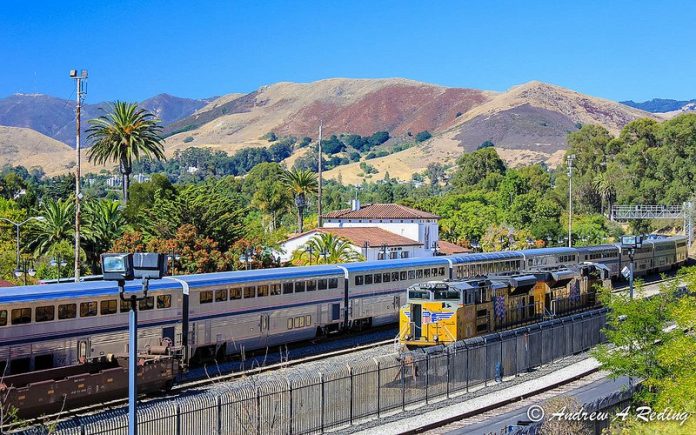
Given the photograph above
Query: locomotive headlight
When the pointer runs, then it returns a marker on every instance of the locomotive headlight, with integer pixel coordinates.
(435, 337)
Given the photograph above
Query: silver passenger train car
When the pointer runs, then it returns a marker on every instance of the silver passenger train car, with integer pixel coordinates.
(217, 314)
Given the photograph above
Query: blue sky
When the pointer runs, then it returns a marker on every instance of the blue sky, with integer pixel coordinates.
(135, 49)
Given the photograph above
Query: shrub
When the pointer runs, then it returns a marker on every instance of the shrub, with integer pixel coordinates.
(188, 139)
(423, 136)
(486, 144)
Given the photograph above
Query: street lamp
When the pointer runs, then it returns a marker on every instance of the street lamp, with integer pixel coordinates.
(435, 249)
(325, 254)
(19, 224)
(309, 250)
(630, 244)
(25, 271)
(58, 263)
(247, 256)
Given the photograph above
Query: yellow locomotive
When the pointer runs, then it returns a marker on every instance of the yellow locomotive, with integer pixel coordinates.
(442, 312)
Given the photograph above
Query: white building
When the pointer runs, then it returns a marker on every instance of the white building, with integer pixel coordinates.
(380, 231)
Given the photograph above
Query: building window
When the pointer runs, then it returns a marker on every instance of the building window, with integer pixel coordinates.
(393, 255)
(404, 254)
(380, 255)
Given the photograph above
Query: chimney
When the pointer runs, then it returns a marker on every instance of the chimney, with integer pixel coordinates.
(355, 205)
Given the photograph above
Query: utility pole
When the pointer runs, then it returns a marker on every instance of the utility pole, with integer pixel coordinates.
(570, 159)
(319, 190)
(78, 195)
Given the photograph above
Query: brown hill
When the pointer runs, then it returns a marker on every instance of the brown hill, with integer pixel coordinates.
(23, 146)
(527, 123)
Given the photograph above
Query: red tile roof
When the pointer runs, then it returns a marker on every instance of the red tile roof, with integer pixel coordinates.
(381, 211)
(375, 237)
(448, 248)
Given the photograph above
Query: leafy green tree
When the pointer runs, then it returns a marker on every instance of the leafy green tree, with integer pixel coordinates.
(142, 195)
(57, 226)
(124, 135)
(265, 187)
(475, 167)
(301, 184)
(326, 248)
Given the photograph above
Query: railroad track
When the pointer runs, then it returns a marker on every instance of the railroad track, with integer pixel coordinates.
(179, 388)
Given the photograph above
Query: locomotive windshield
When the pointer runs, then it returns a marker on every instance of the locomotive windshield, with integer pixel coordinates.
(433, 291)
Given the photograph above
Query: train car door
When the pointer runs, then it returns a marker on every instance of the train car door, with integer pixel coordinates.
(416, 320)
(264, 326)
(168, 334)
(397, 303)
(83, 350)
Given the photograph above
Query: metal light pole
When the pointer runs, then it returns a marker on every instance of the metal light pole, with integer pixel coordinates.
(570, 159)
(78, 195)
(19, 224)
(320, 183)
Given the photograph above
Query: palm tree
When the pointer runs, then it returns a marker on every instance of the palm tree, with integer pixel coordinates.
(104, 222)
(301, 183)
(124, 135)
(604, 186)
(57, 226)
(326, 248)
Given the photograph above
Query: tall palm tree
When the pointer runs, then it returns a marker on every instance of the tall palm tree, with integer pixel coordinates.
(301, 183)
(124, 135)
(604, 186)
(104, 222)
(57, 226)
(326, 248)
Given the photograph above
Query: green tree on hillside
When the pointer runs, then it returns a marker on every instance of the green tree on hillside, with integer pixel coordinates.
(473, 168)
(123, 136)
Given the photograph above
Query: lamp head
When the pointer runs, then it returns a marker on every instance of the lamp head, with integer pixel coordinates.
(117, 267)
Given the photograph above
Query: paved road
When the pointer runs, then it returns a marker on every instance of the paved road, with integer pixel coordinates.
(493, 421)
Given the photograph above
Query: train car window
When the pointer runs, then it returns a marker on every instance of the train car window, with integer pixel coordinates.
(45, 314)
(108, 307)
(221, 295)
(377, 278)
(67, 311)
(442, 271)
(386, 277)
(146, 304)
(299, 286)
(359, 280)
(299, 322)
(426, 273)
(411, 274)
(323, 285)
(262, 291)
(395, 276)
(125, 306)
(236, 293)
(205, 297)
(434, 271)
(250, 292)
(311, 285)
(21, 315)
(3, 317)
(88, 309)
(368, 279)
(275, 289)
(289, 323)
(287, 288)
(419, 273)
(333, 282)
(402, 275)
(308, 320)
(164, 301)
